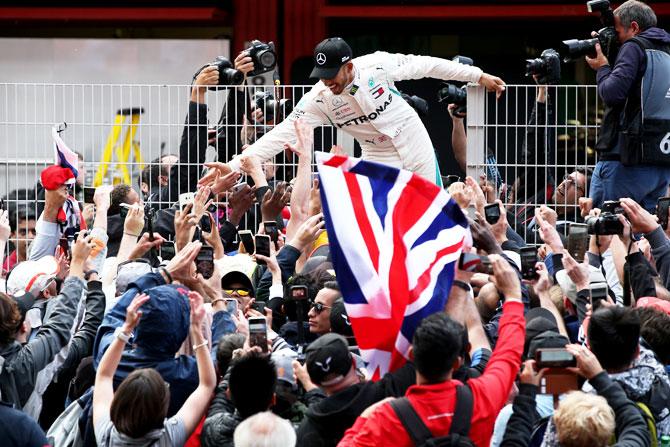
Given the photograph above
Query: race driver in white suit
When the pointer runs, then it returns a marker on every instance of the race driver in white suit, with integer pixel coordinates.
(359, 97)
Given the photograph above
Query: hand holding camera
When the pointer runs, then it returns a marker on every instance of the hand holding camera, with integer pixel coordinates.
(588, 365)
(640, 219)
(578, 272)
(244, 63)
(134, 222)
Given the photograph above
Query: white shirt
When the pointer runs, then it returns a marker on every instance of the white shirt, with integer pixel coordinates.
(372, 111)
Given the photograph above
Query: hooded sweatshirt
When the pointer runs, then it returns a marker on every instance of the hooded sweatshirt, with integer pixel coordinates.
(646, 382)
(615, 83)
(161, 332)
(325, 422)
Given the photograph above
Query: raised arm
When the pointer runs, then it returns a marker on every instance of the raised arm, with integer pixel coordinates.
(195, 406)
(103, 392)
(302, 184)
(273, 142)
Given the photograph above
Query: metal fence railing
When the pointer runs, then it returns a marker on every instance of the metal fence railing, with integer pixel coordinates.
(530, 139)
(525, 153)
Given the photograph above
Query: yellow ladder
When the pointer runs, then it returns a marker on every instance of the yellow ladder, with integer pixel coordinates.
(121, 171)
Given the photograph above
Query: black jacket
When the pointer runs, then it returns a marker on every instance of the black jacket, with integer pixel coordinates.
(326, 421)
(524, 416)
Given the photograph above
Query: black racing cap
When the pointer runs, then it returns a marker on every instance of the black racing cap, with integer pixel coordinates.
(329, 56)
(328, 359)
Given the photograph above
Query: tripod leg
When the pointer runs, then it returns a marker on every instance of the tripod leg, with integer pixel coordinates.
(108, 151)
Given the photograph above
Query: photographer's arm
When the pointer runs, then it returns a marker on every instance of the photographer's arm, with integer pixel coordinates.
(615, 84)
(273, 142)
(459, 140)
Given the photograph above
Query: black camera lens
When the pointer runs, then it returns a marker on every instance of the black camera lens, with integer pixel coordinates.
(575, 48)
(263, 56)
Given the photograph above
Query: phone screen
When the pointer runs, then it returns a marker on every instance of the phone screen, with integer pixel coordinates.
(247, 240)
(88, 194)
(598, 295)
(258, 333)
(299, 293)
(167, 250)
(662, 211)
(185, 199)
(471, 211)
(578, 241)
(262, 246)
(528, 261)
(492, 213)
(271, 229)
(554, 358)
(204, 262)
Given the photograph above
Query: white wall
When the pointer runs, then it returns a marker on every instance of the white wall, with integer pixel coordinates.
(44, 81)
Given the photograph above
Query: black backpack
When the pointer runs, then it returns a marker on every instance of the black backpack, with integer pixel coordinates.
(460, 423)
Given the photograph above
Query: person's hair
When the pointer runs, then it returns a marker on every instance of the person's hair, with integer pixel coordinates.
(140, 403)
(556, 296)
(584, 419)
(21, 212)
(264, 429)
(164, 168)
(10, 319)
(149, 175)
(655, 330)
(587, 173)
(613, 336)
(224, 351)
(118, 196)
(635, 11)
(252, 383)
(436, 344)
(331, 285)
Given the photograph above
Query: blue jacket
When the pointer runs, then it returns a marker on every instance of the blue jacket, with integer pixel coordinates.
(615, 83)
(162, 330)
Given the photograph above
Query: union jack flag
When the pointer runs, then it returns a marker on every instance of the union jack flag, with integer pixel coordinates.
(394, 237)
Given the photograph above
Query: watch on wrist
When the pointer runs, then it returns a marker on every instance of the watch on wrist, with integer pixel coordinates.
(88, 273)
(124, 337)
(461, 284)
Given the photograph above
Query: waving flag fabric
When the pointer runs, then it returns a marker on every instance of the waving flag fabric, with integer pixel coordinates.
(63, 155)
(394, 237)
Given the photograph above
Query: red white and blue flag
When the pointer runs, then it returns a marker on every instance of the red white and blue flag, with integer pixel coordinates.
(394, 238)
(63, 155)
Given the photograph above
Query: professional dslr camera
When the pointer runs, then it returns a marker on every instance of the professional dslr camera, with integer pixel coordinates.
(607, 37)
(227, 74)
(454, 94)
(263, 56)
(547, 67)
(608, 221)
(269, 105)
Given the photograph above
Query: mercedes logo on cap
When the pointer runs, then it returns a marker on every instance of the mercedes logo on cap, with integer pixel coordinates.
(320, 58)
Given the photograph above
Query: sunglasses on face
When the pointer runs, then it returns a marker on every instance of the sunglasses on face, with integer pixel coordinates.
(240, 292)
(319, 307)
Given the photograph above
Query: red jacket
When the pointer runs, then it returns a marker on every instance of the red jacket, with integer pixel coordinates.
(435, 403)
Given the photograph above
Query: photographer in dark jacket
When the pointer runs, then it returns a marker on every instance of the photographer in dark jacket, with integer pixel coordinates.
(621, 170)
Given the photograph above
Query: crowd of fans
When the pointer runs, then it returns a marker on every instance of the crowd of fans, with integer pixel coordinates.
(115, 330)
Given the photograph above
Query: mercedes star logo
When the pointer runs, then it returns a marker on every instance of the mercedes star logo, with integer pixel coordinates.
(320, 58)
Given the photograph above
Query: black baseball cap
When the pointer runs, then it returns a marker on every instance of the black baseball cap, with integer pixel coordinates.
(329, 56)
(328, 359)
(339, 320)
(25, 302)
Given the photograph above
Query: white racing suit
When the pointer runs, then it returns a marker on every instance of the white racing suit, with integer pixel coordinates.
(372, 111)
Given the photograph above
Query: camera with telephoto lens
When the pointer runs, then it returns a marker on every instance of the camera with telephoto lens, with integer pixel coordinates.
(608, 221)
(455, 94)
(607, 37)
(269, 105)
(263, 56)
(547, 67)
(227, 73)
(452, 94)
